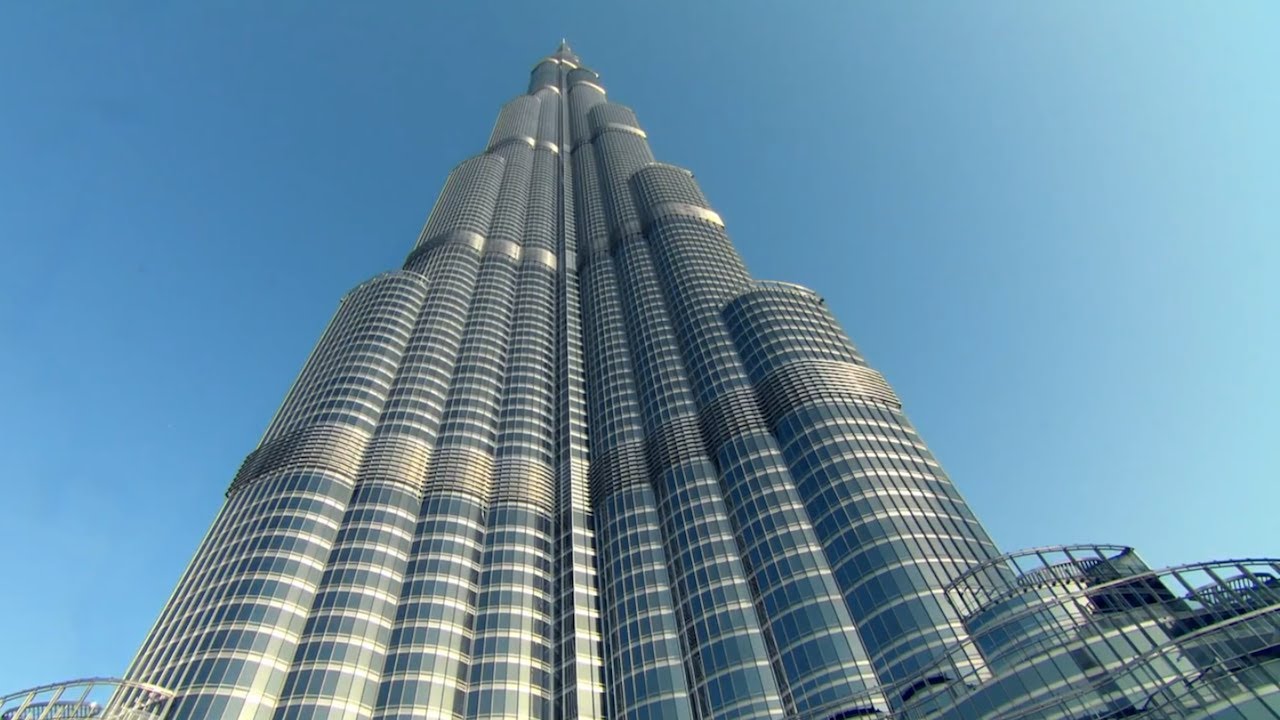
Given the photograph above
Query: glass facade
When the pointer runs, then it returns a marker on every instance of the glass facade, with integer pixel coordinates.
(574, 461)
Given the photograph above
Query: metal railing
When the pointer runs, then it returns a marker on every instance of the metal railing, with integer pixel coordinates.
(1223, 616)
(99, 697)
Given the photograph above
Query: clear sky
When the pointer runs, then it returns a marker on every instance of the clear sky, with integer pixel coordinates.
(1054, 226)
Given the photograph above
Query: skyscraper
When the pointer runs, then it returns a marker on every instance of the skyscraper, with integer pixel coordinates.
(574, 461)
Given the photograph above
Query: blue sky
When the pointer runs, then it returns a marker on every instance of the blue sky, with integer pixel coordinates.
(1054, 227)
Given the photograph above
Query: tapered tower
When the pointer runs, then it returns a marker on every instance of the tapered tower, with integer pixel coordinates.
(573, 460)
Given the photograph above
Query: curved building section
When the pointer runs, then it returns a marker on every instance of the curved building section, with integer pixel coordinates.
(728, 659)
(337, 665)
(511, 673)
(339, 661)
(815, 643)
(730, 664)
(584, 93)
(429, 660)
(228, 645)
(517, 122)
(465, 207)
(346, 379)
(644, 657)
(231, 629)
(621, 148)
(894, 526)
(545, 76)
